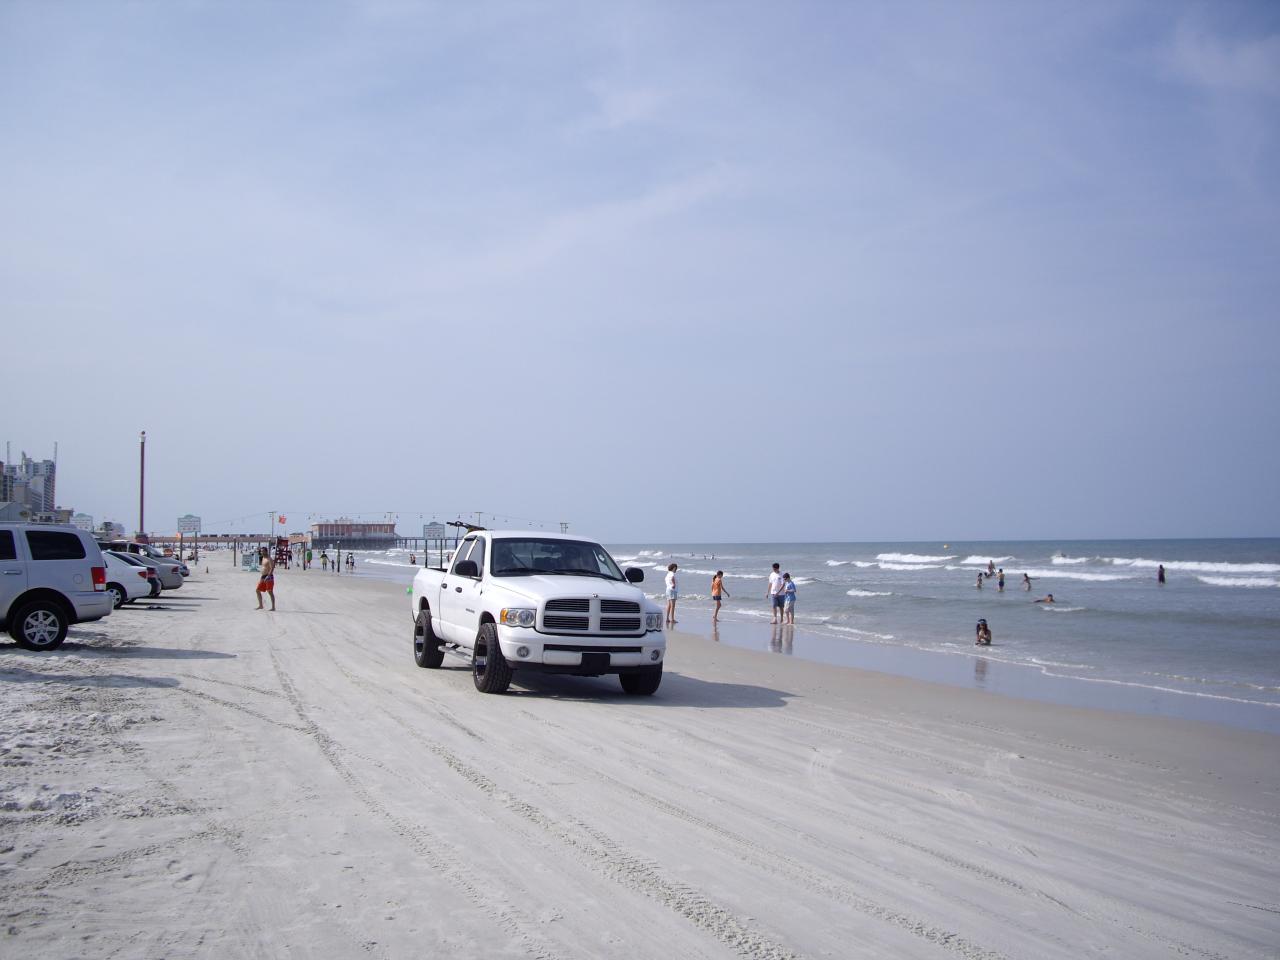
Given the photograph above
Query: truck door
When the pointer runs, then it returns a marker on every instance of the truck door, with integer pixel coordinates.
(451, 589)
(13, 572)
(466, 593)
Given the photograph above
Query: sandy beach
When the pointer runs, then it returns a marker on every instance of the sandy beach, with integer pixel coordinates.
(196, 778)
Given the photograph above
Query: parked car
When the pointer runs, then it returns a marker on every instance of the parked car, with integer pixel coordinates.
(127, 580)
(153, 578)
(147, 552)
(50, 577)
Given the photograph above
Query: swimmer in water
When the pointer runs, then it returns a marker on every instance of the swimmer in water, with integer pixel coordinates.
(1045, 599)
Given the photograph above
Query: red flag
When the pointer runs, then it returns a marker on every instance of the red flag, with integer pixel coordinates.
(282, 518)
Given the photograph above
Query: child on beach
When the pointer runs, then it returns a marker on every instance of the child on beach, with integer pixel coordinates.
(672, 592)
(983, 634)
(788, 599)
(717, 590)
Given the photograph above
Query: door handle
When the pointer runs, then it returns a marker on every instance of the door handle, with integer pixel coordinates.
(13, 573)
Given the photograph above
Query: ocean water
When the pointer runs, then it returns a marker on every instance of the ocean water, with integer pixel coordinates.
(1210, 634)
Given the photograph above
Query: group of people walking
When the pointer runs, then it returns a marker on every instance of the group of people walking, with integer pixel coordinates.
(336, 563)
(781, 595)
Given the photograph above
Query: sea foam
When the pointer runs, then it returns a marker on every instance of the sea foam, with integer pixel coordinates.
(1194, 566)
(911, 558)
(1254, 582)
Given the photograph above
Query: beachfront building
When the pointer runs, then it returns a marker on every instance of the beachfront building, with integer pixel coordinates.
(83, 521)
(32, 483)
(353, 534)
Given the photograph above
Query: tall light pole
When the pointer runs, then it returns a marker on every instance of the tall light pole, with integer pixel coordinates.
(142, 484)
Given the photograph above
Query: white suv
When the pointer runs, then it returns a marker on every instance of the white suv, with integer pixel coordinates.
(50, 578)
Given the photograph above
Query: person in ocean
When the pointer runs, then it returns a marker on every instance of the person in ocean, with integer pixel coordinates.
(788, 599)
(1026, 582)
(1048, 598)
(673, 592)
(1160, 574)
(717, 591)
(979, 583)
(983, 638)
(991, 568)
(1000, 581)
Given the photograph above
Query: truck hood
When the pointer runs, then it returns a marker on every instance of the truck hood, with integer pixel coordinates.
(538, 588)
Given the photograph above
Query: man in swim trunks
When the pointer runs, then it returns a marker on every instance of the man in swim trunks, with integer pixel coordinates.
(266, 578)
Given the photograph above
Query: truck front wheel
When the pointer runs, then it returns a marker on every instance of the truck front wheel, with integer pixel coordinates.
(426, 645)
(489, 668)
(641, 684)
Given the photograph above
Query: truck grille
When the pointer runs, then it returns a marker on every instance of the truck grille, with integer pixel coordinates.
(591, 615)
(620, 623)
(552, 621)
(574, 605)
(619, 606)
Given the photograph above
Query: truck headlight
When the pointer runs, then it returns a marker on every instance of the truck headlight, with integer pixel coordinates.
(518, 616)
(653, 621)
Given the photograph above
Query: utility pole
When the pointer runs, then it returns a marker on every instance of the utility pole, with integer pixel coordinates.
(142, 484)
(564, 526)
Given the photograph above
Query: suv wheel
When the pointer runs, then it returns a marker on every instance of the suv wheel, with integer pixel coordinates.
(40, 625)
(426, 645)
(489, 668)
(641, 684)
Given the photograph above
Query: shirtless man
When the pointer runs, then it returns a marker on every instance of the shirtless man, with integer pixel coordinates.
(1045, 599)
(266, 578)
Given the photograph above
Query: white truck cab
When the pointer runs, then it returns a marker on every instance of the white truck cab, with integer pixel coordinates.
(517, 601)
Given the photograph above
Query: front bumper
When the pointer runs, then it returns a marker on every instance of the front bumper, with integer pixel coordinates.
(588, 656)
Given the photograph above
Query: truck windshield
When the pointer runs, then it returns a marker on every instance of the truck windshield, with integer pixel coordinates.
(534, 555)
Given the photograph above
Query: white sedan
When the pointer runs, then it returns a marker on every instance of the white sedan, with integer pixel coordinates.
(125, 581)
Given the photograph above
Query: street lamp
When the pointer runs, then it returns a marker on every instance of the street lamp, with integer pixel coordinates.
(142, 485)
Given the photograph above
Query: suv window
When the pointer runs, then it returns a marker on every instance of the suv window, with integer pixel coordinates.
(54, 545)
(8, 550)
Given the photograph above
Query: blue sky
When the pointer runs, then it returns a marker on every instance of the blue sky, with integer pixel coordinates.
(667, 271)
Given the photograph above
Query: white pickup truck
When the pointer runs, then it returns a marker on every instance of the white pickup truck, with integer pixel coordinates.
(516, 601)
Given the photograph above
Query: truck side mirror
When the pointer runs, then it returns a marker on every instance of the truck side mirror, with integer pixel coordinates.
(466, 568)
(634, 575)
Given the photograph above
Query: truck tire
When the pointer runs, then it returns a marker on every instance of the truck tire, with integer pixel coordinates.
(40, 625)
(641, 684)
(489, 668)
(118, 597)
(426, 645)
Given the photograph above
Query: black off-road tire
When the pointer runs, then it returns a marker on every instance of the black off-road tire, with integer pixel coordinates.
(489, 668)
(642, 684)
(426, 645)
(118, 596)
(40, 625)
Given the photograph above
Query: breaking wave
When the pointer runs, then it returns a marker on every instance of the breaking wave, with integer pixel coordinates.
(911, 558)
(1194, 566)
(1254, 582)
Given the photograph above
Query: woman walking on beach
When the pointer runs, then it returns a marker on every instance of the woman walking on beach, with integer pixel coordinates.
(717, 590)
(266, 578)
(788, 599)
(672, 592)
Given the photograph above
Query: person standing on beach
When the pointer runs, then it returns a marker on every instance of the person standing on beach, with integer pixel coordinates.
(673, 592)
(717, 591)
(788, 599)
(306, 559)
(775, 594)
(1160, 575)
(266, 578)
(324, 560)
(1000, 580)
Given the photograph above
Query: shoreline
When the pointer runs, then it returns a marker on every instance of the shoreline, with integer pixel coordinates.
(969, 669)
